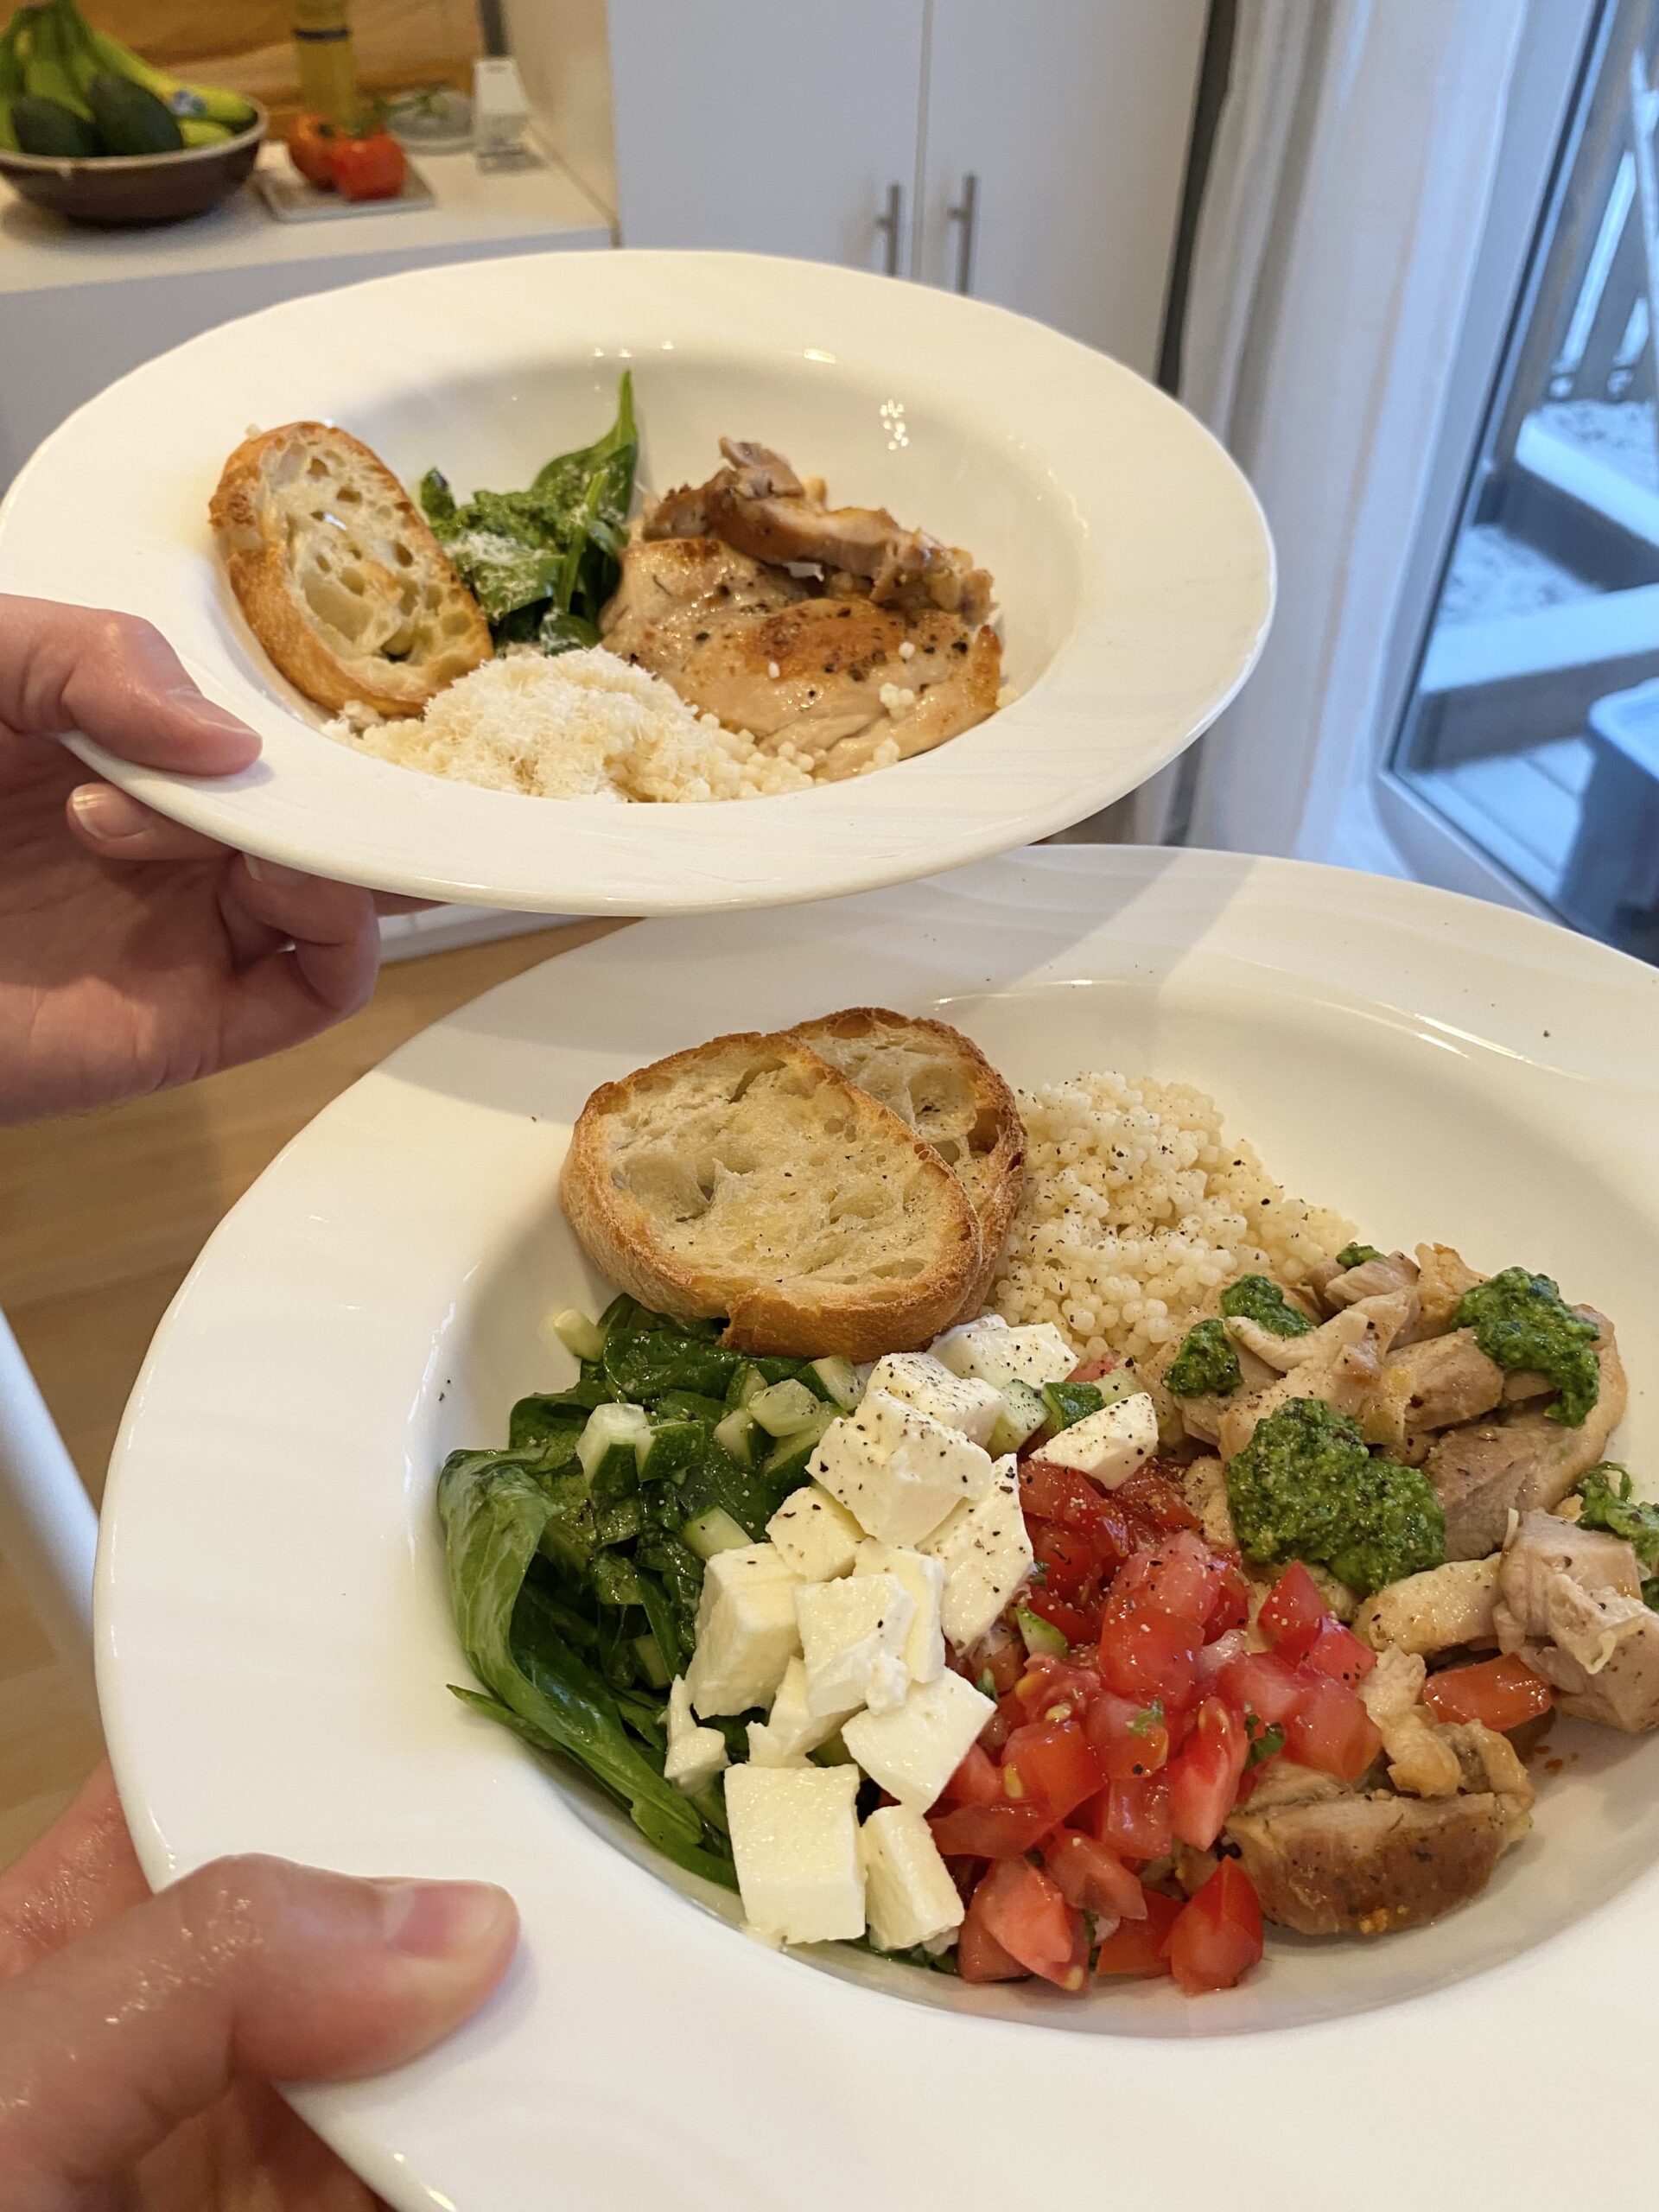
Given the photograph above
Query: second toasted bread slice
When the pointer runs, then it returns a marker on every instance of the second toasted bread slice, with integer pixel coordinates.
(339, 576)
(941, 1085)
(746, 1178)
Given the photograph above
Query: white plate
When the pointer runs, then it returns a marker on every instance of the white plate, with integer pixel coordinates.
(1133, 566)
(274, 1643)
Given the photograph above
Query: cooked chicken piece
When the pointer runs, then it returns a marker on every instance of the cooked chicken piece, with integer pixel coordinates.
(1421, 1761)
(1489, 1761)
(1442, 1279)
(1521, 1383)
(1277, 1354)
(1483, 1473)
(1434, 1611)
(1366, 1866)
(1285, 1782)
(758, 505)
(1570, 1604)
(745, 642)
(1205, 1483)
(1342, 1367)
(1337, 1286)
(1430, 1385)
(1197, 1418)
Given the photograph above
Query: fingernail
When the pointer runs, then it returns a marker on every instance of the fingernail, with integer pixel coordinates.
(207, 716)
(271, 872)
(110, 815)
(442, 1919)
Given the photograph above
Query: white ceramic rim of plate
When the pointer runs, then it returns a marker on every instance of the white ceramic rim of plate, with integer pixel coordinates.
(1170, 624)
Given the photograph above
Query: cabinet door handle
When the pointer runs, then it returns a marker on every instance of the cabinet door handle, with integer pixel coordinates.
(965, 215)
(890, 227)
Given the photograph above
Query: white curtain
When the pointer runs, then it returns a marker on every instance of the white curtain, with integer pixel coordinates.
(1340, 226)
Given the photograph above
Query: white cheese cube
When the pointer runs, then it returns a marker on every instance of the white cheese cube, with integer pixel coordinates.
(924, 1652)
(1108, 1447)
(791, 1732)
(898, 1471)
(986, 1555)
(961, 1401)
(853, 1638)
(909, 1897)
(913, 1752)
(794, 1840)
(990, 1349)
(696, 1755)
(816, 1534)
(747, 1630)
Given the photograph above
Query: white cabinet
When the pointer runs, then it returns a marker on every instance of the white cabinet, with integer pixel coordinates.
(848, 131)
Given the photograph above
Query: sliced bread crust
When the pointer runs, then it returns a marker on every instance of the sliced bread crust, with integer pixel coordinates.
(747, 1178)
(339, 576)
(941, 1085)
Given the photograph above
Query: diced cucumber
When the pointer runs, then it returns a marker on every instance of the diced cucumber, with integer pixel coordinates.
(839, 1378)
(1122, 1382)
(785, 1409)
(1039, 1634)
(739, 1436)
(1023, 1414)
(582, 1339)
(673, 1449)
(609, 1427)
(1072, 1402)
(746, 1386)
(787, 1460)
(652, 1659)
(713, 1531)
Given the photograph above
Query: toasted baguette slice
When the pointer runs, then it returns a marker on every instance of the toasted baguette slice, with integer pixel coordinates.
(341, 578)
(747, 1178)
(942, 1085)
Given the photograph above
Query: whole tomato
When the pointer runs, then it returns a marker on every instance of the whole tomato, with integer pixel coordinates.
(311, 150)
(371, 168)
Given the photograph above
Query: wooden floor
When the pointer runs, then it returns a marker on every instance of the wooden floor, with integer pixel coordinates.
(100, 1219)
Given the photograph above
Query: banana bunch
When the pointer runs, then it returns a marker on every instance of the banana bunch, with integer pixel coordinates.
(71, 91)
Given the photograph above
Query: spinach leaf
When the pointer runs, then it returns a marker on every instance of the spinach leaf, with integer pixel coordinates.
(641, 1365)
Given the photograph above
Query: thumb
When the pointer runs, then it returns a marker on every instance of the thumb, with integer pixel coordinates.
(117, 679)
(251, 1967)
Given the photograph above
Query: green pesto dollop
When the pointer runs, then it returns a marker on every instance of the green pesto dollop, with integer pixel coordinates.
(1205, 1366)
(1356, 1256)
(1608, 1505)
(1305, 1487)
(1253, 1298)
(1521, 1320)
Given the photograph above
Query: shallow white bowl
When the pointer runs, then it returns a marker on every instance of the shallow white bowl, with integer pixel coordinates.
(1133, 566)
(274, 1642)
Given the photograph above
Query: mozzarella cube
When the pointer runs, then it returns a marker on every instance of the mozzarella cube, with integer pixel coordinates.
(696, 1755)
(985, 1554)
(924, 1651)
(961, 1401)
(791, 1732)
(990, 1349)
(909, 1897)
(816, 1534)
(1108, 1447)
(794, 1840)
(853, 1638)
(898, 1470)
(914, 1751)
(747, 1630)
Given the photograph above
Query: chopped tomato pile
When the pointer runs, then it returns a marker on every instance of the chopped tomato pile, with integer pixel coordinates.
(1125, 1755)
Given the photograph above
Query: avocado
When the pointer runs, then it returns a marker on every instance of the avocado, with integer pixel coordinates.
(130, 119)
(41, 126)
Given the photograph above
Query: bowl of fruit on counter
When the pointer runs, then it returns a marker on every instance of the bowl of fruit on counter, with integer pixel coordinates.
(90, 130)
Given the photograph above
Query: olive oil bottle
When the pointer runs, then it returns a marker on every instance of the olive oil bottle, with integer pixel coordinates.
(323, 41)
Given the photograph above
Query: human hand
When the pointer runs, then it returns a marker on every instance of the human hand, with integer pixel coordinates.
(134, 954)
(139, 2035)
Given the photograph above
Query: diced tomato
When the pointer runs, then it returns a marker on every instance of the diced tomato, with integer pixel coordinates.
(991, 1830)
(1292, 1612)
(977, 1781)
(1221, 1654)
(1071, 1568)
(1204, 1778)
(369, 168)
(1049, 1762)
(1052, 1688)
(1217, 1937)
(1233, 1603)
(1059, 1494)
(980, 1957)
(1092, 1369)
(1137, 1946)
(1002, 1657)
(1136, 1821)
(1178, 1572)
(1076, 1623)
(1090, 1875)
(1261, 1683)
(1126, 1738)
(1146, 1652)
(1023, 1909)
(1499, 1692)
(1331, 1731)
(1336, 1651)
(1156, 1497)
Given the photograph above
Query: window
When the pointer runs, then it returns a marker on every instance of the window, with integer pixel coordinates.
(1532, 728)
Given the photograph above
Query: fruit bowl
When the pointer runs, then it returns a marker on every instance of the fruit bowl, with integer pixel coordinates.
(120, 191)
